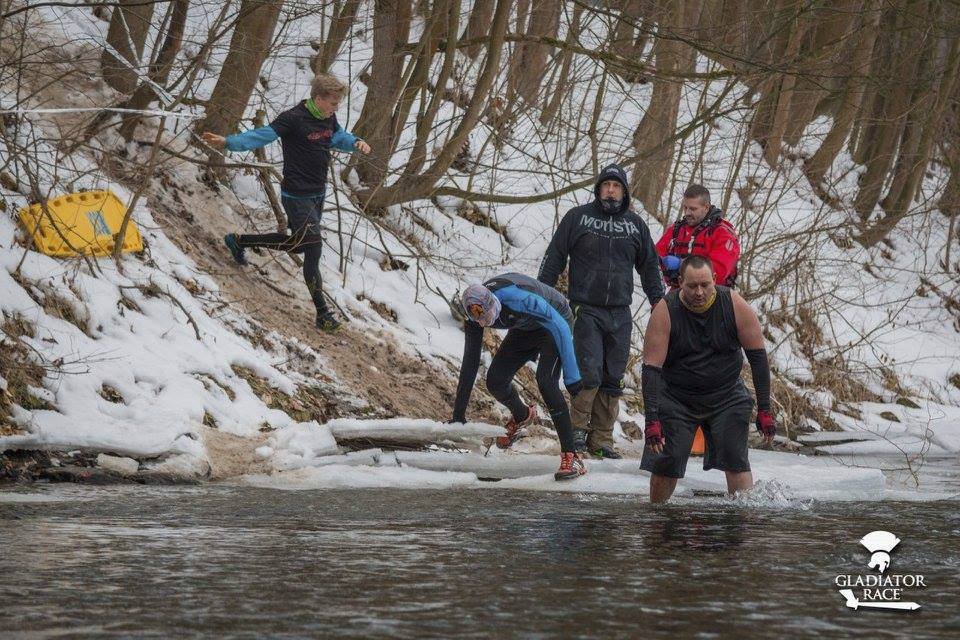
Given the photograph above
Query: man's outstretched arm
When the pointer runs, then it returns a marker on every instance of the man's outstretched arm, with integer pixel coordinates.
(246, 141)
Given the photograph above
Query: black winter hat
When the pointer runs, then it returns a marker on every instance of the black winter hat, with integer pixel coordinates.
(613, 172)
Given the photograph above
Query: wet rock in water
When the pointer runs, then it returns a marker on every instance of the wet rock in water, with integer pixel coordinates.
(163, 478)
(100, 476)
(84, 475)
(23, 466)
(117, 464)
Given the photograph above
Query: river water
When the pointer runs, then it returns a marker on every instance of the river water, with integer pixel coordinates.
(227, 561)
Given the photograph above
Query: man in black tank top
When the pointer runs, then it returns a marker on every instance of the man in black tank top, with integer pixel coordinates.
(692, 355)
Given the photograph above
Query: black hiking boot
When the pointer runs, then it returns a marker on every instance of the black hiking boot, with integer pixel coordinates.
(606, 452)
(326, 321)
(580, 440)
(235, 249)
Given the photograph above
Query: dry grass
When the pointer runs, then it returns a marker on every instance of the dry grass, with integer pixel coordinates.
(110, 394)
(383, 310)
(308, 403)
(19, 371)
(475, 215)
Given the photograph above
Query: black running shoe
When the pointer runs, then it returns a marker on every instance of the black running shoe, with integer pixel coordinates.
(235, 249)
(326, 321)
(606, 452)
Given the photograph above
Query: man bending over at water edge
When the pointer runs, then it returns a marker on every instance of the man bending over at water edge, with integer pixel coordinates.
(538, 320)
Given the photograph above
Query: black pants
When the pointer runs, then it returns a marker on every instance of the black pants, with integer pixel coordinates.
(517, 349)
(601, 337)
(303, 219)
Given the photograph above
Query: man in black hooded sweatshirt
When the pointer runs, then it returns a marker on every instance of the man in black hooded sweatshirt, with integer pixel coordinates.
(605, 242)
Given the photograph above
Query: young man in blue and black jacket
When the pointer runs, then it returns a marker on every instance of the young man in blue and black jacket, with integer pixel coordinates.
(605, 242)
(307, 134)
(538, 320)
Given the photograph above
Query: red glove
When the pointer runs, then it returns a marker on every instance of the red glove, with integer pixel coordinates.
(653, 434)
(765, 423)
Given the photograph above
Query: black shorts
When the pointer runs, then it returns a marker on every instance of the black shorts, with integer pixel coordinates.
(725, 422)
(304, 215)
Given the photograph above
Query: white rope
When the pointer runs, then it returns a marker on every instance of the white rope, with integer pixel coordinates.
(145, 112)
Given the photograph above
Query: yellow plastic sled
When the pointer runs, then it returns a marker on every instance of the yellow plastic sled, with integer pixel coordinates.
(80, 223)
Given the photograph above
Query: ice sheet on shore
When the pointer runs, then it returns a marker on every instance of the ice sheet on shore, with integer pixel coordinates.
(801, 477)
(411, 431)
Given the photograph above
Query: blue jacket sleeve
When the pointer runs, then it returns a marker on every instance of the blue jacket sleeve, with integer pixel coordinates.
(550, 319)
(251, 139)
(343, 140)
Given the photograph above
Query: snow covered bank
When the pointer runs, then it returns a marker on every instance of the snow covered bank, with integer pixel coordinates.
(141, 361)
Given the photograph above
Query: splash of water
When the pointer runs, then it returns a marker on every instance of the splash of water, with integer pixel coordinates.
(770, 494)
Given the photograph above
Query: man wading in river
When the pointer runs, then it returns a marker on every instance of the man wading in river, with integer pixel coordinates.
(692, 355)
(538, 318)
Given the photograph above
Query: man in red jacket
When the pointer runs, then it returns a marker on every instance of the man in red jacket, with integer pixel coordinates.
(700, 231)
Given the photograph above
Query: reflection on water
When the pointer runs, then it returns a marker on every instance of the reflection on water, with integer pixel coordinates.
(242, 562)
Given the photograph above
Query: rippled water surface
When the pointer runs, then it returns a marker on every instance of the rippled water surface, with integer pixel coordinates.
(243, 562)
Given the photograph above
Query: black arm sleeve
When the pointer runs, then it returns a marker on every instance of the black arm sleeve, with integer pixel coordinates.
(651, 379)
(473, 340)
(760, 368)
(555, 259)
(648, 266)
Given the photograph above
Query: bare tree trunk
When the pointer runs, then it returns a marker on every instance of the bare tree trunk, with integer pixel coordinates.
(561, 85)
(889, 127)
(129, 25)
(901, 195)
(419, 76)
(478, 25)
(241, 68)
(391, 28)
(773, 140)
(522, 10)
(428, 114)
(160, 70)
(851, 97)
(628, 39)
(730, 22)
(651, 138)
(829, 40)
(544, 21)
(885, 56)
(420, 186)
(340, 26)
(917, 150)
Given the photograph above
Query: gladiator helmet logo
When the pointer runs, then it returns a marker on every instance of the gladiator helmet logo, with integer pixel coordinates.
(880, 544)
